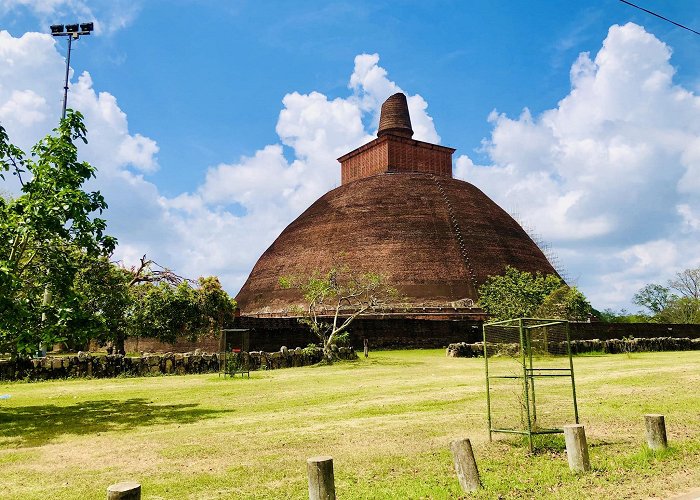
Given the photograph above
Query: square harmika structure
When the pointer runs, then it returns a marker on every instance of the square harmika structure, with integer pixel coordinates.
(530, 386)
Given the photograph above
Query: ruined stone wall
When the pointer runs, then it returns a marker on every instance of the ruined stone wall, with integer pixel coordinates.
(610, 346)
(269, 334)
(101, 366)
(606, 331)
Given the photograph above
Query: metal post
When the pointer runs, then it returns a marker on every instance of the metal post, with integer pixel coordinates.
(488, 388)
(530, 373)
(65, 87)
(525, 383)
(72, 31)
(571, 368)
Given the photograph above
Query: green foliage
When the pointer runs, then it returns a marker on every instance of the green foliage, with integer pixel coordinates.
(684, 310)
(653, 297)
(335, 299)
(41, 231)
(667, 307)
(56, 282)
(310, 350)
(516, 294)
(621, 316)
(165, 312)
(235, 362)
(214, 304)
(566, 303)
(104, 301)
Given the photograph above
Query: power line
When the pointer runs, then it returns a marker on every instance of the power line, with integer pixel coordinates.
(660, 16)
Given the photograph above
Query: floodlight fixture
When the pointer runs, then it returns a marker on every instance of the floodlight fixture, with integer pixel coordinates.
(72, 32)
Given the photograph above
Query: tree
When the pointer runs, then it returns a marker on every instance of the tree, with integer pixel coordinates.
(40, 232)
(653, 297)
(215, 305)
(683, 310)
(166, 311)
(621, 316)
(516, 294)
(565, 302)
(687, 283)
(667, 307)
(104, 301)
(146, 300)
(335, 299)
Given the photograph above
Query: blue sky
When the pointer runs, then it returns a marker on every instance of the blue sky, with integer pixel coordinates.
(186, 97)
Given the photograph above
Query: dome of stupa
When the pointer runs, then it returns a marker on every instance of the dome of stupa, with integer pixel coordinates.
(399, 213)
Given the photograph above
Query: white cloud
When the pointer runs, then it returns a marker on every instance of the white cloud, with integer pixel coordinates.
(223, 225)
(371, 86)
(271, 190)
(611, 176)
(109, 16)
(25, 106)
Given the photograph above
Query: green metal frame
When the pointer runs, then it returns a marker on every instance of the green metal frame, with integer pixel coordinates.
(223, 355)
(529, 374)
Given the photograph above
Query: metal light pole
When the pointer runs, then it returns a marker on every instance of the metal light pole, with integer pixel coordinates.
(73, 32)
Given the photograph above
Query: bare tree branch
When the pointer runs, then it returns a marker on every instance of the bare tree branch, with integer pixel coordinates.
(149, 271)
(687, 282)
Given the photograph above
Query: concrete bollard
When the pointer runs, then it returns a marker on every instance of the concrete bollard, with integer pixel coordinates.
(577, 448)
(465, 464)
(656, 431)
(321, 481)
(126, 490)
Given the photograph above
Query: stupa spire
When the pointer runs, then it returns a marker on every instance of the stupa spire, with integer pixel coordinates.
(394, 118)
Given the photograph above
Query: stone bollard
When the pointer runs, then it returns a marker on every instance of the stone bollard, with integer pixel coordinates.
(465, 464)
(321, 481)
(656, 431)
(126, 490)
(577, 448)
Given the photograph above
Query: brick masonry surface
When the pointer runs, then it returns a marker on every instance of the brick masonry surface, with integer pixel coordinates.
(396, 154)
(269, 334)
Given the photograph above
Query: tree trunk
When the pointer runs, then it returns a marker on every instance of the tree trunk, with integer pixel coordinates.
(328, 354)
(119, 344)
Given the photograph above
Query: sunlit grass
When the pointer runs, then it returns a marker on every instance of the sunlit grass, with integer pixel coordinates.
(386, 420)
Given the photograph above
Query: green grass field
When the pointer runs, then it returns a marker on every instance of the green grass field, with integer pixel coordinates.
(387, 422)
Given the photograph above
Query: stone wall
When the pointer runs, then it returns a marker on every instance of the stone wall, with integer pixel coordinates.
(104, 366)
(606, 331)
(610, 346)
(269, 334)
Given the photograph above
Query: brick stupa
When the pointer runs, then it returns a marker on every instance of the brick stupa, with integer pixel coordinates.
(400, 213)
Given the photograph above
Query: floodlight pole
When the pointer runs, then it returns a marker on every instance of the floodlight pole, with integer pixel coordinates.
(73, 32)
(65, 86)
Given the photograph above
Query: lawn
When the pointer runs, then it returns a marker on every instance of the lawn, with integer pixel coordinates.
(386, 421)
